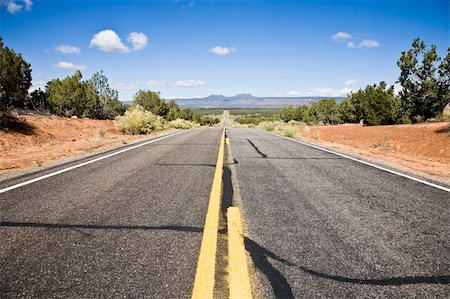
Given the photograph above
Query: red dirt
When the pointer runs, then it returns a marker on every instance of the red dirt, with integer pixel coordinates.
(34, 140)
(421, 148)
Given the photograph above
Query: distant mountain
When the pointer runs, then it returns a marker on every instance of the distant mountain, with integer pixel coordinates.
(246, 100)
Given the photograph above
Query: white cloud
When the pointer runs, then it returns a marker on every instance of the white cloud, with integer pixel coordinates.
(126, 86)
(158, 83)
(12, 7)
(138, 39)
(218, 50)
(189, 83)
(369, 43)
(293, 93)
(351, 82)
(329, 92)
(108, 41)
(341, 36)
(69, 65)
(66, 49)
(28, 4)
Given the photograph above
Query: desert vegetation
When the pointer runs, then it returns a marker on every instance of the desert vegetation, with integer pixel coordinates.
(425, 92)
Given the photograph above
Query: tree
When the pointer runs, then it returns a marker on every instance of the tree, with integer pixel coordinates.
(325, 111)
(37, 100)
(108, 105)
(72, 96)
(376, 105)
(173, 110)
(186, 114)
(444, 79)
(347, 113)
(425, 91)
(151, 101)
(15, 78)
(288, 113)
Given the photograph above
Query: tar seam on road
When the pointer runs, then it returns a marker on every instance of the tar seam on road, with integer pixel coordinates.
(204, 277)
(239, 274)
(82, 164)
(368, 163)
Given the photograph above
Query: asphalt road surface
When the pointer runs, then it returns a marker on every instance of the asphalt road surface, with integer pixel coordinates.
(126, 226)
(318, 225)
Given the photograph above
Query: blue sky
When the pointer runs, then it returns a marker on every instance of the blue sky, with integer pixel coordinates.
(197, 48)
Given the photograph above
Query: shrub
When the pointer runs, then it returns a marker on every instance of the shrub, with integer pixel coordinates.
(446, 114)
(290, 131)
(267, 125)
(139, 121)
(204, 120)
(180, 123)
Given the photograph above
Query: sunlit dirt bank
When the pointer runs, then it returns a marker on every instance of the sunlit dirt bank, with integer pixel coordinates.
(420, 148)
(34, 140)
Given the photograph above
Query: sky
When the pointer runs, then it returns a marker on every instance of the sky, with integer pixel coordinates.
(188, 49)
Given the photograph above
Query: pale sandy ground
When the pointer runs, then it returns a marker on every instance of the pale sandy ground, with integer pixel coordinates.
(423, 149)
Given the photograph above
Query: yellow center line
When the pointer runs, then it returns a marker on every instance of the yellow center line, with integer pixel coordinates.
(238, 269)
(204, 277)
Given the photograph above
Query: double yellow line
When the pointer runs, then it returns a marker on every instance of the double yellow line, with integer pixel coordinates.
(239, 280)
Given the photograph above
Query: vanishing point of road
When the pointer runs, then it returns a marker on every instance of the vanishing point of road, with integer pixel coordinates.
(131, 223)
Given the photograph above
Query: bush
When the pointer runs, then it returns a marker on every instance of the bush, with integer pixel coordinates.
(290, 131)
(180, 123)
(139, 121)
(446, 114)
(204, 120)
(267, 125)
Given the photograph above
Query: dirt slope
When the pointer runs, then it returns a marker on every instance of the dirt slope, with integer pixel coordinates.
(33, 140)
(421, 148)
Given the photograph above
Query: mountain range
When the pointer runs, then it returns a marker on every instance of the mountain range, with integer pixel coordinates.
(246, 100)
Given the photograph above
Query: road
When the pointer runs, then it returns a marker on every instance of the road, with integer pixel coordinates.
(320, 225)
(130, 225)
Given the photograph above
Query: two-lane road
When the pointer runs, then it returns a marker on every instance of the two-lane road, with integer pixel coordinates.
(130, 225)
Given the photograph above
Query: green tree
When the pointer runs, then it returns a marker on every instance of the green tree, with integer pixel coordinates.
(186, 114)
(425, 83)
(15, 78)
(151, 101)
(37, 100)
(173, 110)
(108, 105)
(72, 97)
(376, 105)
(324, 111)
(347, 113)
(288, 113)
(444, 79)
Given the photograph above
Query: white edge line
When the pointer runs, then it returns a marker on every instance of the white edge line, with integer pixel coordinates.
(82, 164)
(366, 163)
